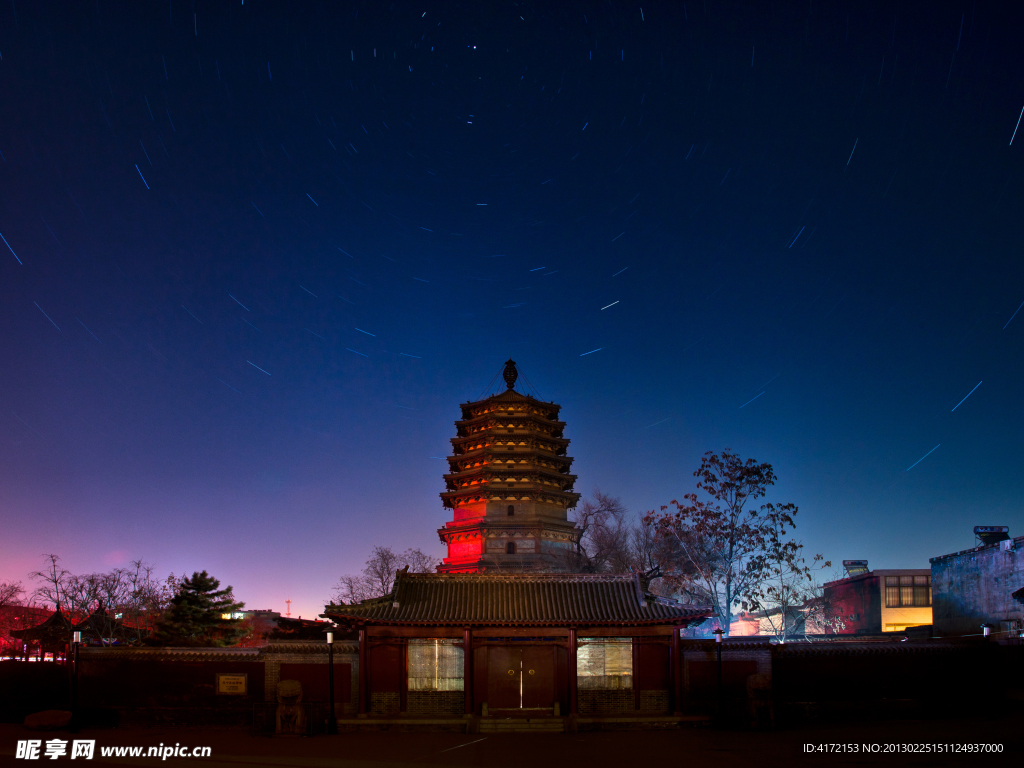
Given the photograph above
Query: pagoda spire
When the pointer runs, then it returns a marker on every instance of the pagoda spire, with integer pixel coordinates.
(510, 374)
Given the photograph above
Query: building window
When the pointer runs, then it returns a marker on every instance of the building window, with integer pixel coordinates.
(510, 548)
(604, 663)
(908, 591)
(435, 665)
(511, 510)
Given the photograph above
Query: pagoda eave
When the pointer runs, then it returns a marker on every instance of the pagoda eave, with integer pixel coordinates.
(506, 494)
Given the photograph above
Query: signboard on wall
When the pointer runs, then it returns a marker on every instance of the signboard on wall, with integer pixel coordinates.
(234, 684)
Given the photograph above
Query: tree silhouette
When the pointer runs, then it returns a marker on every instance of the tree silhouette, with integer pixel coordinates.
(727, 553)
(196, 615)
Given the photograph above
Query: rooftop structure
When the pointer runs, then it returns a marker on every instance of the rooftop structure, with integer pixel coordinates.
(532, 599)
(976, 587)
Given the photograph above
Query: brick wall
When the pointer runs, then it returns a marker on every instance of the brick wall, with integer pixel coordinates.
(299, 652)
(607, 701)
(740, 659)
(654, 701)
(174, 678)
(435, 702)
(385, 703)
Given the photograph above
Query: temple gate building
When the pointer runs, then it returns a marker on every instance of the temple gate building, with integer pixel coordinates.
(531, 645)
(502, 631)
(509, 486)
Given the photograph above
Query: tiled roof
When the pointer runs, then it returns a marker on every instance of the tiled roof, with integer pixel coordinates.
(175, 654)
(511, 396)
(309, 648)
(891, 648)
(56, 629)
(524, 599)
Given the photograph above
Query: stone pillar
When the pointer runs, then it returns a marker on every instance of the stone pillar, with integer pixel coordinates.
(676, 667)
(362, 671)
(467, 673)
(572, 670)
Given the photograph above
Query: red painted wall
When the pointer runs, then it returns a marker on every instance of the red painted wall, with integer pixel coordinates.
(315, 686)
(385, 668)
(859, 601)
(653, 670)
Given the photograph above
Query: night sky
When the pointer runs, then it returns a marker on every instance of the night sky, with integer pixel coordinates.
(256, 254)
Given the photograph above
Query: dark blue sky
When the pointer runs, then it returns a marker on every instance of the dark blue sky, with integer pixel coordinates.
(259, 254)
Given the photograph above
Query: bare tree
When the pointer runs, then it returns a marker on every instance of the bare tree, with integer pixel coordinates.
(824, 615)
(378, 576)
(350, 589)
(123, 604)
(609, 539)
(10, 591)
(602, 532)
(418, 561)
(145, 599)
(379, 573)
(10, 617)
(784, 591)
(54, 579)
(646, 550)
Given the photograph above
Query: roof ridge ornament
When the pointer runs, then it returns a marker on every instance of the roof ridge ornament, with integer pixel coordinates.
(510, 373)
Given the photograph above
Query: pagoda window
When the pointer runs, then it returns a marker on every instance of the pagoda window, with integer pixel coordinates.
(511, 510)
(510, 548)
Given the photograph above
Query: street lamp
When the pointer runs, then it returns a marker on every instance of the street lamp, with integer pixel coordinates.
(718, 647)
(332, 723)
(76, 640)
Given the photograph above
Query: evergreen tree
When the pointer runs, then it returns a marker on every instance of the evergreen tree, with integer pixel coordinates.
(195, 617)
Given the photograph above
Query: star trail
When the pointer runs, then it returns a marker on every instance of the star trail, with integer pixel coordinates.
(234, 244)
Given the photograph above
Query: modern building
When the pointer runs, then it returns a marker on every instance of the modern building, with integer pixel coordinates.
(509, 486)
(871, 602)
(975, 587)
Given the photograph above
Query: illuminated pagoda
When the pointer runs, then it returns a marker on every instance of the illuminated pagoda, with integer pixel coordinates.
(509, 486)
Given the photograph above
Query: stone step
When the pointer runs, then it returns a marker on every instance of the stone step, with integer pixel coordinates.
(523, 725)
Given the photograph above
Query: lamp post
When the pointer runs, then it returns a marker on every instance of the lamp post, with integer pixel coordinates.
(332, 723)
(76, 640)
(718, 649)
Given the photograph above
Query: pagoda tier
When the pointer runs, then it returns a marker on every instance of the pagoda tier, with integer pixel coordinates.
(509, 486)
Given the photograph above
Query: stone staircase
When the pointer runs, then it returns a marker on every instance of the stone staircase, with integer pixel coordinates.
(522, 725)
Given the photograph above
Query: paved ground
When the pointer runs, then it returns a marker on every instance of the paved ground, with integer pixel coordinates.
(657, 749)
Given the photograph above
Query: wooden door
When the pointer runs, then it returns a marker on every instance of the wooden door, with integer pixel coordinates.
(504, 675)
(538, 677)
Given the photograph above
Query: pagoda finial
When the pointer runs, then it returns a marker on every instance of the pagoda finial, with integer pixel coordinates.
(511, 374)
